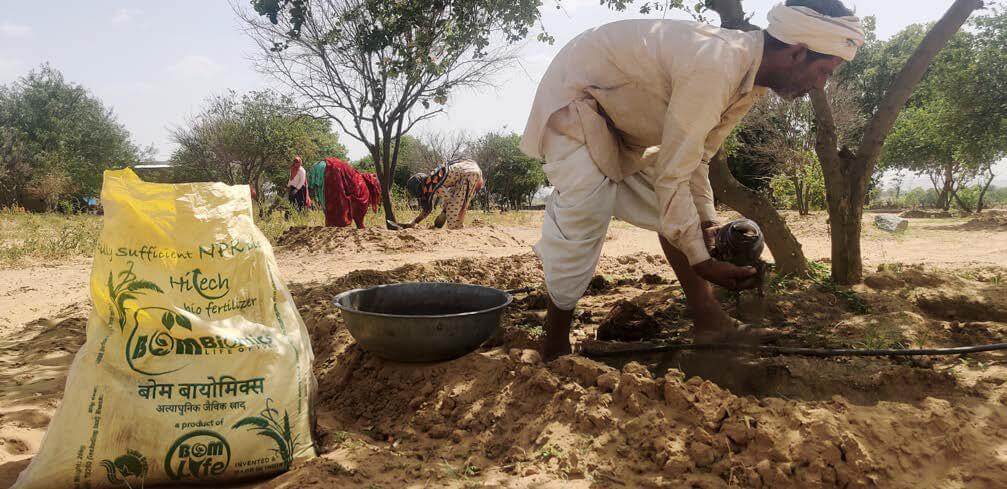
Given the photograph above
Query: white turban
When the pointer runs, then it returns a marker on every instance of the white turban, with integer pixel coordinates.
(838, 36)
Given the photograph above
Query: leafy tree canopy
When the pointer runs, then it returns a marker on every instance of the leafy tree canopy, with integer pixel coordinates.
(251, 139)
(512, 178)
(56, 138)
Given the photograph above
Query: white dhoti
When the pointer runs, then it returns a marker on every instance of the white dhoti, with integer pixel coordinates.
(578, 212)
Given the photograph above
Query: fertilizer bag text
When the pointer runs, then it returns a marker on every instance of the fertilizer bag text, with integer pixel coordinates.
(197, 365)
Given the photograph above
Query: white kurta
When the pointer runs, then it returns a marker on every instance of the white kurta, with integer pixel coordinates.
(300, 179)
(612, 93)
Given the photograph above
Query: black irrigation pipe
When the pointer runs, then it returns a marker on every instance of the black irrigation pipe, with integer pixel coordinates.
(783, 350)
(522, 290)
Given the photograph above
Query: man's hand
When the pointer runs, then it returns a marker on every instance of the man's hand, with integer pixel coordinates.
(710, 229)
(727, 275)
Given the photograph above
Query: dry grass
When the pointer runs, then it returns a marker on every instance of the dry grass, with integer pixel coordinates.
(50, 237)
(30, 238)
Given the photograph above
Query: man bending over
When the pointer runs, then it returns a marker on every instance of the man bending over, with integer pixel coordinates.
(627, 118)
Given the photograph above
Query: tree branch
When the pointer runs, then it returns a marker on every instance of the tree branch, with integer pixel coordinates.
(732, 15)
(911, 74)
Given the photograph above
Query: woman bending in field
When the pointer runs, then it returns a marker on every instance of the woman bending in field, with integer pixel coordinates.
(453, 185)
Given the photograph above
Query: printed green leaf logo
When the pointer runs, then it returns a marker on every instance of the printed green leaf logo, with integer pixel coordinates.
(267, 424)
(129, 287)
(168, 320)
(171, 319)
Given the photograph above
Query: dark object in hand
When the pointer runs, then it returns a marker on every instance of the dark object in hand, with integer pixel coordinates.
(741, 243)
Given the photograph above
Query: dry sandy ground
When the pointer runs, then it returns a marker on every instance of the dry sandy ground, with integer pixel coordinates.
(502, 419)
(27, 294)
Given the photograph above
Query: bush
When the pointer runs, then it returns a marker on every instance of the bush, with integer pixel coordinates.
(800, 188)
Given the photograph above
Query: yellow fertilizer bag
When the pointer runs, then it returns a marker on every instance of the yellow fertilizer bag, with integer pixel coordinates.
(197, 365)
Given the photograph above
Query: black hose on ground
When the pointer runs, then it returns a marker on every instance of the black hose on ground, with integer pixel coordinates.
(522, 290)
(783, 350)
(780, 350)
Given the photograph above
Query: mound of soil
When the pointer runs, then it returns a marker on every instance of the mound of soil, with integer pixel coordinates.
(990, 220)
(32, 375)
(501, 418)
(923, 214)
(371, 240)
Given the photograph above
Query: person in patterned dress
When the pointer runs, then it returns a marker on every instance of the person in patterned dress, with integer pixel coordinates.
(454, 186)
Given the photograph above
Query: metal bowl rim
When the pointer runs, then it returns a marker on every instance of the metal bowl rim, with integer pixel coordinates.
(335, 302)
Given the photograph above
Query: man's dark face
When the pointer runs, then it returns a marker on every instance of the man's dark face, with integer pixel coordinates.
(806, 75)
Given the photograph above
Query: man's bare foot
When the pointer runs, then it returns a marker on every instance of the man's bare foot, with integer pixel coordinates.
(742, 333)
(712, 325)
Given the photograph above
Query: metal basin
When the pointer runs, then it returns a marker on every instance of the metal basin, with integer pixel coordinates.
(422, 322)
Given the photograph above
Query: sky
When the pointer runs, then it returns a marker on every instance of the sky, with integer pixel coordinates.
(156, 62)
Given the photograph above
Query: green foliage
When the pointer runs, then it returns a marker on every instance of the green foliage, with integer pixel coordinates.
(386, 65)
(696, 8)
(466, 472)
(272, 9)
(364, 164)
(919, 197)
(997, 196)
(800, 187)
(549, 451)
(450, 26)
(414, 156)
(251, 139)
(821, 274)
(776, 144)
(881, 336)
(953, 127)
(56, 138)
(877, 64)
(512, 178)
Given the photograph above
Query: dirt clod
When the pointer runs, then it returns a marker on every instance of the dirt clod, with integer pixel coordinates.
(628, 322)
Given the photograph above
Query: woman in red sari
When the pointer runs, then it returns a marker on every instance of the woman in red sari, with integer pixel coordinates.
(348, 194)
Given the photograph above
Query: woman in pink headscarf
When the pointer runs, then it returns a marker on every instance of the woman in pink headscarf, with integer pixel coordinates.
(297, 186)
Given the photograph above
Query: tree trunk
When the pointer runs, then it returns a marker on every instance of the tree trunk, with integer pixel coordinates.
(379, 170)
(847, 174)
(981, 203)
(786, 249)
(949, 187)
(845, 193)
(386, 185)
(846, 212)
(803, 197)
